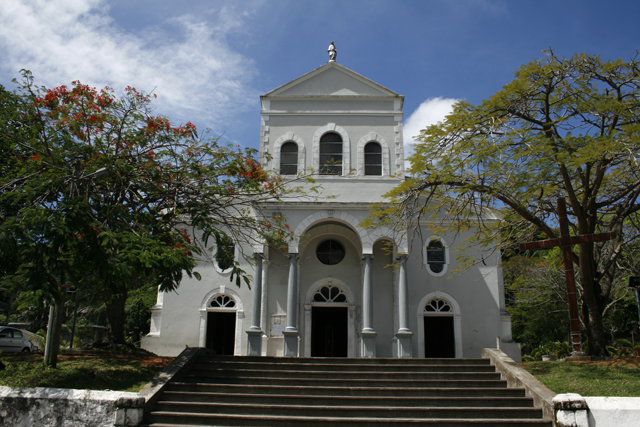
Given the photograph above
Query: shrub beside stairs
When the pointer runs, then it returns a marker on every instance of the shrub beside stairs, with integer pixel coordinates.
(269, 391)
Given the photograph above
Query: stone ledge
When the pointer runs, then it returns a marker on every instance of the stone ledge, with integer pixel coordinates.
(27, 407)
(517, 376)
(173, 371)
(571, 410)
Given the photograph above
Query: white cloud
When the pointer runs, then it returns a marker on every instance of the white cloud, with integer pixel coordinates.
(430, 112)
(194, 72)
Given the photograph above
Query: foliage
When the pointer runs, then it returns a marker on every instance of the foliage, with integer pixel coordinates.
(125, 373)
(562, 128)
(138, 313)
(622, 347)
(170, 194)
(535, 293)
(586, 379)
(536, 298)
(558, 349)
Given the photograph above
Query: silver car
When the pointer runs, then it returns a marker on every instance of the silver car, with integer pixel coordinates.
(14, 340)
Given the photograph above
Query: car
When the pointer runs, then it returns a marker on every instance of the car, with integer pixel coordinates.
(14, 340)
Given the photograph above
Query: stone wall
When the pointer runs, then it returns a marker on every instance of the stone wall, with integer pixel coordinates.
(573, 410)
(58, 407)
(570, 409)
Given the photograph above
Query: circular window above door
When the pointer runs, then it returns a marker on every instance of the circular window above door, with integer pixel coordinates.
(330, 252)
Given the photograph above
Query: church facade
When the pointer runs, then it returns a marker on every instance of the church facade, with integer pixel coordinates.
(341, 290)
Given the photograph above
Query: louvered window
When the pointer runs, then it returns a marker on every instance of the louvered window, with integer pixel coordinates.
(331, 154)
(289, 158)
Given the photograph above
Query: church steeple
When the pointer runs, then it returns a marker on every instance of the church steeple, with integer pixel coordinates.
(338, 124)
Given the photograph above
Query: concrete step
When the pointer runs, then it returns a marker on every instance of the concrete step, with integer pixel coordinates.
(265, 391)
(344, 360)
(340, 367)
(347, 411)
(347, 391)
(222, 372)
(340, 382)
(172, 420)
(332, 400)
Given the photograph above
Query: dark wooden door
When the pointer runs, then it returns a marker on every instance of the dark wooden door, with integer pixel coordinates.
(439, 339)
(329, 337)
(221, 332)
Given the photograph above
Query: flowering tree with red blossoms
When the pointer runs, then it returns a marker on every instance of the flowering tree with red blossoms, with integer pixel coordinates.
(168, 195)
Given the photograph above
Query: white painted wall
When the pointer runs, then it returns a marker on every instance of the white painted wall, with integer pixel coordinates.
(613, 411)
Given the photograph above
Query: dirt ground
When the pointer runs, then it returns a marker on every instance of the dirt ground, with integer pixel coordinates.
(628, 361)
(149, 360)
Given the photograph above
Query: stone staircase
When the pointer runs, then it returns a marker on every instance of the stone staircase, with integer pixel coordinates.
(268, 391)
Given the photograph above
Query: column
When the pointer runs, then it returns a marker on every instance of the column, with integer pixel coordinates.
(368, 348)
(404, 334)
(264, 322)
(291, 331)
(254, 347)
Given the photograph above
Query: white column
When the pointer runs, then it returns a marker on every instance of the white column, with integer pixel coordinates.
(291, 331)
(264, 321)
(254, 347)
(368, 348)
(404, 334)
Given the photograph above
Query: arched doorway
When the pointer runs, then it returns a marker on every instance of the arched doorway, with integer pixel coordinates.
(329, 323)
(221, 325)
(439, 335)
(439, 326)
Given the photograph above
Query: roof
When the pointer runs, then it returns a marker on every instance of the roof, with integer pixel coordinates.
(334, 80)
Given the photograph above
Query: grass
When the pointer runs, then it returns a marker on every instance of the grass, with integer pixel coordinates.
(93, 372)
(589, 379)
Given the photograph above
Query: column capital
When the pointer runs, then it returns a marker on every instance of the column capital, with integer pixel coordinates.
(364, 256)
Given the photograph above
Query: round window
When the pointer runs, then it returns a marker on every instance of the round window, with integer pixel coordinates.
(330, 252)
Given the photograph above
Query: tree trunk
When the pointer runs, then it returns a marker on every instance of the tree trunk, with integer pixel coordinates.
(590, 296)
(53, 332)
(9, 306)
(115, 303)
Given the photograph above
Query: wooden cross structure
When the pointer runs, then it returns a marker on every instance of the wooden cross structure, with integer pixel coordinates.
(565, 241)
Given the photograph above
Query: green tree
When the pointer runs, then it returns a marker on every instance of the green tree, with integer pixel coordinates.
(562, 128)
(9, 122)
(536, 297)
(169, 194)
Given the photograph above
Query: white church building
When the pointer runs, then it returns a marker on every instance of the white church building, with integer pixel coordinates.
(339, 291)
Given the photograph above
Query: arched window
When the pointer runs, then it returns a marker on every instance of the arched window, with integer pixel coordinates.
(225, 254)
(289, 158)
(372, 159)
(436, 256)
(223, 301)
(331, 154)
(330, 252)
(329, 293)
(438, 306)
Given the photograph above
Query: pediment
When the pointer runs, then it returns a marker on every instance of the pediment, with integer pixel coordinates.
(332, 79)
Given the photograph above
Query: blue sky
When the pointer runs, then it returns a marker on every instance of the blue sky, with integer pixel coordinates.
(208, 60)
